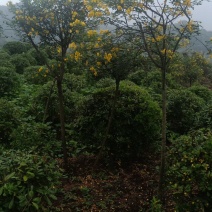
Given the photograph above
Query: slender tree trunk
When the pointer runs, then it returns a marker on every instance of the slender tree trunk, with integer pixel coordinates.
(47, 102)
(104, 141)
(62, 121)
(163, 144)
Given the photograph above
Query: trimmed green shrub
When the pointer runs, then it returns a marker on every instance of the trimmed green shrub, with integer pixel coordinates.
(189, 171)
(28, 182)
(136, 123)
(182, 109)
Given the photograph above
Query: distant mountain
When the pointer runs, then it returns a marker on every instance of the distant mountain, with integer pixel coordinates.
(8, 33)
(198, 43)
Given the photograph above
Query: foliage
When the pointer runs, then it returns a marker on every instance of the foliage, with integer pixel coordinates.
(20, 62)
(4, 55)
(202, 92)
(39, 58)
(135, 125)
(37, 136)
(137, 76)
(36, 75)
(28, 182)
(189, 171)
(204, 117)
(153, 80)
(16, 47)
(8, 121)
(9, 81)
(182, 108)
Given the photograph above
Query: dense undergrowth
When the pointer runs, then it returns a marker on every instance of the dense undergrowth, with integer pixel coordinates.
(126, 177)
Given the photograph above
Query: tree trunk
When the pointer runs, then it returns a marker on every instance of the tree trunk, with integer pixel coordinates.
(163, 144)
(62, 122)
(104, 141)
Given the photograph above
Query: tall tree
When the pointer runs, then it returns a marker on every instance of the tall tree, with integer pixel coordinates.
(55, 23)
(157, 27)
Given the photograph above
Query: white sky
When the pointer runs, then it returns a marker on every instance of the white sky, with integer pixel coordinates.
(201, 13)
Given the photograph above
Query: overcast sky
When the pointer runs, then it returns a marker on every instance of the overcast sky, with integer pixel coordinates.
(201, 13)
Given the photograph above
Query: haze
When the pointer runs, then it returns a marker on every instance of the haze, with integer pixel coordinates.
(201, 13)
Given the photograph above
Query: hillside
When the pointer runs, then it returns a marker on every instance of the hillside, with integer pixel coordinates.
(10, 35)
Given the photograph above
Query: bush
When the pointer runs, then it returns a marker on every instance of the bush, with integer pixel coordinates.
(9, 81)
(182, 109)
(15, 47)
(40, 59)
(20, 62)
(8, 121)
(153, 80)
(189, 172)
(37, 136)
(136, 123)
(36, 75)
(28, 182)
(202, 92)
(204, 117)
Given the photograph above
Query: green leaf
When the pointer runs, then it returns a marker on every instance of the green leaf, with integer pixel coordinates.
(53, 197)
(11, 203)
(31, 193)
(30, 174)
(25, 178)
(35, 205)
(9, 176)
(1, 190)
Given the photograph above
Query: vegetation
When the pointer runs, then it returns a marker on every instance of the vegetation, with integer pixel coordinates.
(81, 109)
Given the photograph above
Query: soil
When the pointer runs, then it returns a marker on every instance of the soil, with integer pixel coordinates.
(124, 187)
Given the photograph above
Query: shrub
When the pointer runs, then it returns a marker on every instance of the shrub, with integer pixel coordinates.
(204, 117)
(189, 171)
(15, 47)
(40, 59)
(9, 81)
(28, 182)
(36, 75)
(20, 62)
(8, 121)
(136, 122)
(37, 136)
(137, 76)
(202, 92)
(182, 109)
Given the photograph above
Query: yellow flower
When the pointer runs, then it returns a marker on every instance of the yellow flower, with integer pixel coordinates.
(93, 70)
(91, 14)
(40, 69)
(98, 63)
(91, 32)
(108, 57)
(72, 45)
(77, 56)
(119, 7)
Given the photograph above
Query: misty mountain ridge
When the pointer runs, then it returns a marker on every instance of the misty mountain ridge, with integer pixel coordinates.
(199, 43)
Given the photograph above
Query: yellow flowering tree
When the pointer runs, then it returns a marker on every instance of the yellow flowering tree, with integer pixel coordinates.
(157, 27)
(106, 56)
(55, 24)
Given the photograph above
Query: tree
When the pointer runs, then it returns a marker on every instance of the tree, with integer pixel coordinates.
(107, 56)
(153, 26)
(56, 24)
